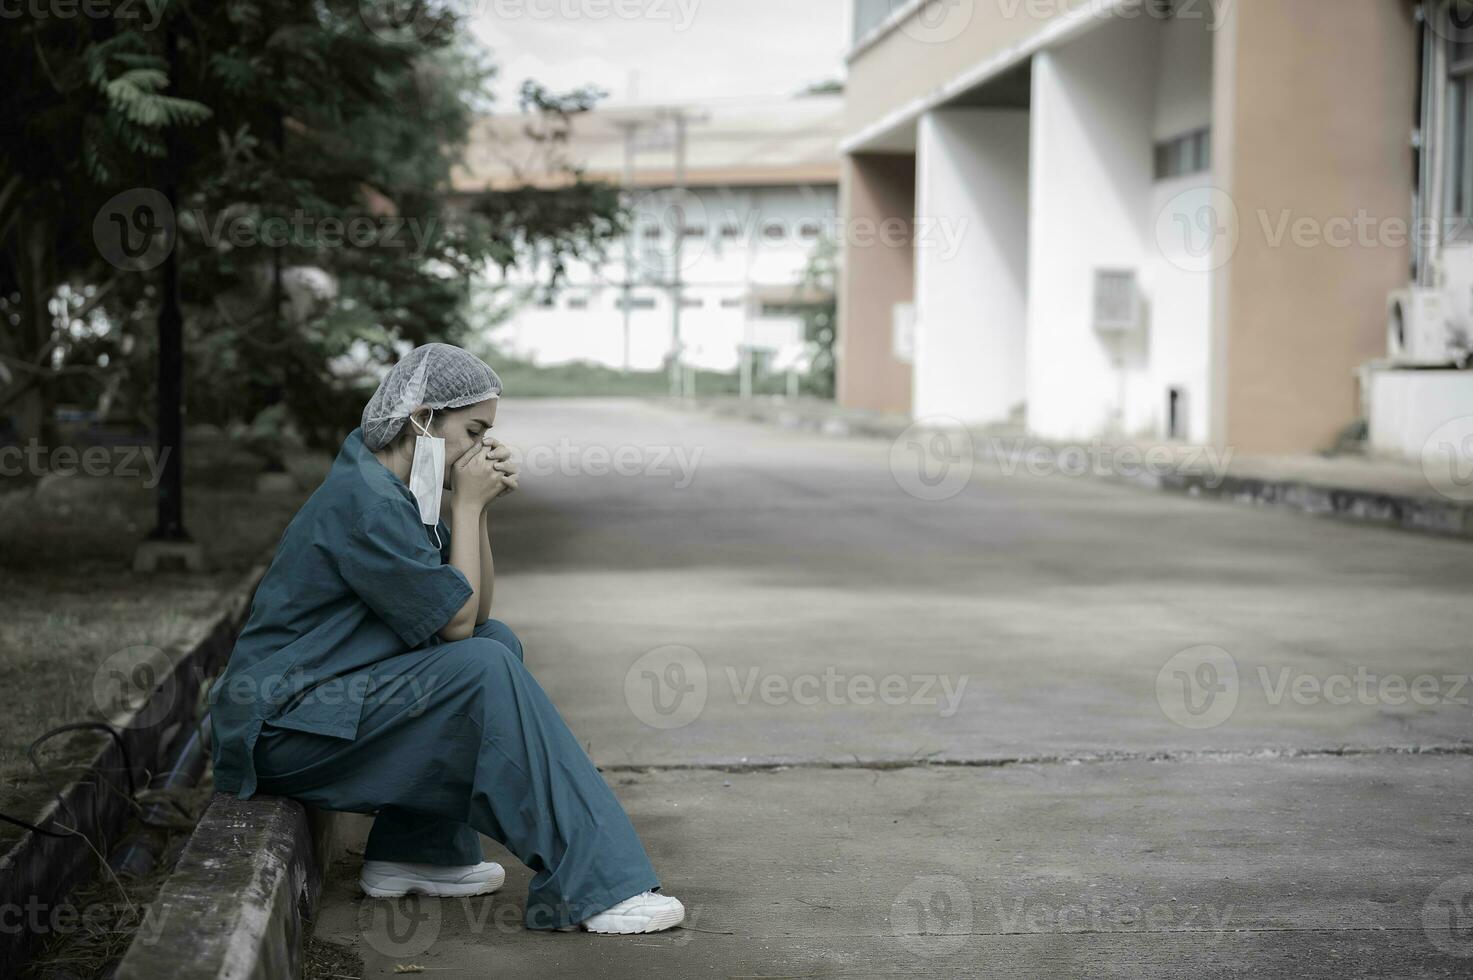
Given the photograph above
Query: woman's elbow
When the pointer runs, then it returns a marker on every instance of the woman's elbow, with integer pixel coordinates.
(462, 627)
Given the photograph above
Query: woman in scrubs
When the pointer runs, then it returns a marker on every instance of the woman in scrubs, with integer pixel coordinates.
(370, 677)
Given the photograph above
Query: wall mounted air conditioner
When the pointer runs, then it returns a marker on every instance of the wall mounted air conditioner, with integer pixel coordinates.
(1117, 302)
(903, 332)
(1419, 331)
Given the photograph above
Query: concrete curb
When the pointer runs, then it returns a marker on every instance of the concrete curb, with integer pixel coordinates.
(808, 416)
(1427, 514)
(237, 904)
(1404, 511)
(40, 870)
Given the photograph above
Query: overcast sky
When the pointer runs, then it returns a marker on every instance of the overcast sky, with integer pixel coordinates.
(679, 49)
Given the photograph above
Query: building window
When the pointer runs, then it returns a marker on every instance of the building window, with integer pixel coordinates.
(730, 232)
(577, 302)
(808, 231)
(1460, 129)
(635, 303)
(731, 303)
(774, 231)
(1190, 153)
(695, 231)
(691, 303)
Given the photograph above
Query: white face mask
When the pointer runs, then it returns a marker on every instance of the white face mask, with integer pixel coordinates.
(427, 475)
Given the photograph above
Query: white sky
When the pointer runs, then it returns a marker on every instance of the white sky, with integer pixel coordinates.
(681, 50)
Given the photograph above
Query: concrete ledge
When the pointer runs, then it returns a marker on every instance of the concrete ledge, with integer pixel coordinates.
(806, 414)
(1408, 511)
(1392, 502)
(43, 870)
(237, 903)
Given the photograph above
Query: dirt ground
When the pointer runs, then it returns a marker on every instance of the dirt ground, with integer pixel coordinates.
(72, 600)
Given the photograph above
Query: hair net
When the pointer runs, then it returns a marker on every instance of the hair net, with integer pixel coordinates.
(436, 376)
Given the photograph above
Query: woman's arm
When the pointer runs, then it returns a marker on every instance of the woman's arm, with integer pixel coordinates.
(488, 569)
(465, 555)
(475, 482)
(500, 456)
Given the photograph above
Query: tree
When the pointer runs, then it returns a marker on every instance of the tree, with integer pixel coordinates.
(88, 112)
(820, 320)
(270, 115)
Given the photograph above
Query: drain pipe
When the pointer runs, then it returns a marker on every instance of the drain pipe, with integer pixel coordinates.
(141, 850)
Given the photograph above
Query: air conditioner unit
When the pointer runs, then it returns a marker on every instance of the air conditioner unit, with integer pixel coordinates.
(903, 332)
(1419, 332)
(1117, 302)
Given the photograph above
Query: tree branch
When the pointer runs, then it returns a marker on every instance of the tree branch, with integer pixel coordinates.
(46, 372)
(94, 300)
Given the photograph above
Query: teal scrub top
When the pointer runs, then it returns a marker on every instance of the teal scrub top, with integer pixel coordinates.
(357, 578)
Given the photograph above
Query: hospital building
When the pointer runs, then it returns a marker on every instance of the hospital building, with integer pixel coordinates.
(1232, 222)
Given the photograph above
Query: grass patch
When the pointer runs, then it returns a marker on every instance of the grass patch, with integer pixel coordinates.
(72, 599)
(322, 960)
(524, 379)
(91, 931)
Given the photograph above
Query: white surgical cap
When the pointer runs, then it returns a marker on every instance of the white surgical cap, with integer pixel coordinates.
(436, 376)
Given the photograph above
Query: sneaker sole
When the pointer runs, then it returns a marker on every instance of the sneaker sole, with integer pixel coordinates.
(399, 887)
(636, 923)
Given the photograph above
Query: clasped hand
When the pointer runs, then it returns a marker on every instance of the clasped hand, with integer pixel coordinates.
(484, 472)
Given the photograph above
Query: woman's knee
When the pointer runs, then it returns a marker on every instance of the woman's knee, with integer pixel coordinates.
(476, 660)
(492, 658)
(495, 629)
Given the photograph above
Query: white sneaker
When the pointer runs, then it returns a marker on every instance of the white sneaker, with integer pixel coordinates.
(390, 879)
(645, 912)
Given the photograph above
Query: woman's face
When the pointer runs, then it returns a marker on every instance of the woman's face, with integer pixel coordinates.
(462, 428)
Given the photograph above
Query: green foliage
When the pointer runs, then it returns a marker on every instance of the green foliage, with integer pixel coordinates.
(819, 315)
(129, 119)
(135, 94)
(263, 114)
(821, 321)
(584, 379)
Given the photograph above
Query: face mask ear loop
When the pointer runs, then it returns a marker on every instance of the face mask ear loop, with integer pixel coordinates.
(425, 429)
(436, 529)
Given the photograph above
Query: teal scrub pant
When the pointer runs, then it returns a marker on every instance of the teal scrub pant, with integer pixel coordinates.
(456, 740)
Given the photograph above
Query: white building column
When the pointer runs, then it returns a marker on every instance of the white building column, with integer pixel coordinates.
(1093, 108)
(971, 263)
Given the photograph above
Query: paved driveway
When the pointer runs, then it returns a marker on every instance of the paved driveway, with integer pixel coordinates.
(1160, 737)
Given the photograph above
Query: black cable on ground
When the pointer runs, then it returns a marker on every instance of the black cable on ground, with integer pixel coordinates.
(61, 804)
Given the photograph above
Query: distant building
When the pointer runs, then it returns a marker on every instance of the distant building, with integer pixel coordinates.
(762, 192)
(1141, 217)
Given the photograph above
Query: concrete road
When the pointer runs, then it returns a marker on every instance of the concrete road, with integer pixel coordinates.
(1040, 726)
